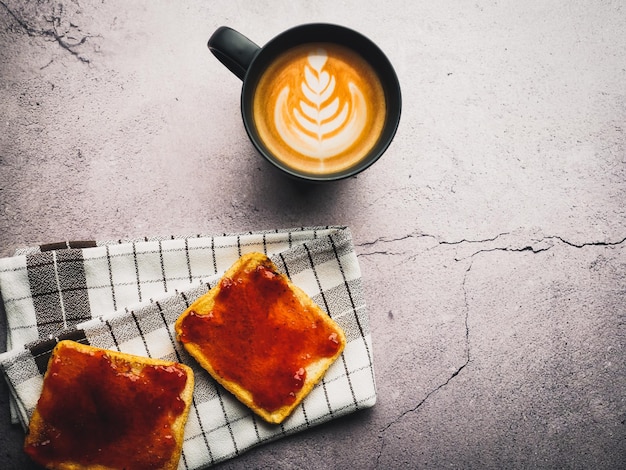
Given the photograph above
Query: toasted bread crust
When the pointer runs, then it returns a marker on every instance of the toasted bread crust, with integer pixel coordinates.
(314, 371)
(133, 365)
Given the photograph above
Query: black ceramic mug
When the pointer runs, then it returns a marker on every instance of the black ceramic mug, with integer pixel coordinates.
(319, 101)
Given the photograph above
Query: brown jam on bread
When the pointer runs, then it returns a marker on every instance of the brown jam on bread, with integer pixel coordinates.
(99, 409)
(260, 335)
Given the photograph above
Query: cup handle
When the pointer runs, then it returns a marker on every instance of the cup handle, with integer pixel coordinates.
(233, 49)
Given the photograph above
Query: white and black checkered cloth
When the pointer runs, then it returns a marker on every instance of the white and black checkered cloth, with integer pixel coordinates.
(126, 296)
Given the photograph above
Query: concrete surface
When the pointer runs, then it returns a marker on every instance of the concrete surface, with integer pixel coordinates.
(491, 235)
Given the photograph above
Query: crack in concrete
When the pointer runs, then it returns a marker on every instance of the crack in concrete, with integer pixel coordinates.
(422, 235)
(459, 369)
(53, 33)
(517, 250)
(535, 249)
(532, 247)
(398, 239)
(583, 245)
(468, 358)
(465, 240)
(387, 240)
(484, 240)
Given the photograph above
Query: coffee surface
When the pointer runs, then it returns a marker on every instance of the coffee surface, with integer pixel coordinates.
(319, 108)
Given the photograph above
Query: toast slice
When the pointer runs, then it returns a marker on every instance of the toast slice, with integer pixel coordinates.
(102, 409)
(262, 337)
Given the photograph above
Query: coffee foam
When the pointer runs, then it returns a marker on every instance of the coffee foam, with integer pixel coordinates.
(319, 108)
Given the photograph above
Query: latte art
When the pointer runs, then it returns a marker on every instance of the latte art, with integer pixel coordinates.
(319, 108)
(321, 125)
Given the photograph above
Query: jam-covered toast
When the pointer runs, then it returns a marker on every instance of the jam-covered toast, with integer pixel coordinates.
(261, 337)
(102, 409)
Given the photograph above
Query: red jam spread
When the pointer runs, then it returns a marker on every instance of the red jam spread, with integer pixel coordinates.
(96, 410)
(259, 335)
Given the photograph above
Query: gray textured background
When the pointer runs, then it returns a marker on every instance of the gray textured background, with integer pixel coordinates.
(491, 235)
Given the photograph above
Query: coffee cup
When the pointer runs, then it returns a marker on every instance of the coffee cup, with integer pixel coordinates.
(321, 102)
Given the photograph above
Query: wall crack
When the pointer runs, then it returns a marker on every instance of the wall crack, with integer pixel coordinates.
(536, 245)
(466, 362)
(505, 241)
(67, 40)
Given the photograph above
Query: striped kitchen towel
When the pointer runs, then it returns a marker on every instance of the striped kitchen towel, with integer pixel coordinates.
(126, 296)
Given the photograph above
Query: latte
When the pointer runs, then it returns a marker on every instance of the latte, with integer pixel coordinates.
(319, 108)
